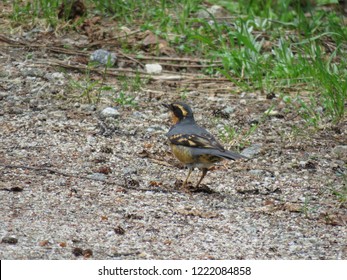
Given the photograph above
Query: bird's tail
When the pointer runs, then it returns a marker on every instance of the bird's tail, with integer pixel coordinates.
(218, 153)
(229, 155)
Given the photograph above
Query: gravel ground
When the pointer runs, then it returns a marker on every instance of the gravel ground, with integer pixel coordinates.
(76, 183)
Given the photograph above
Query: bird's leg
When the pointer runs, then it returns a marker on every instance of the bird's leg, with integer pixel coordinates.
(190, 169)
(204, 172)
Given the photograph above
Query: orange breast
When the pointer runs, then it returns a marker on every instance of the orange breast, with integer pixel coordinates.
(183, 154)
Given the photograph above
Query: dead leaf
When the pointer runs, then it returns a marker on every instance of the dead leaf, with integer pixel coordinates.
(77, 252)
(104, 218)
(155, 183)
(167, 242)
(197, 213)
(72, 9)
(87, 253)
(104, 170)
(147, 145)
(153, 43)
(119, 230)
(292, 207)
(267, 209)
(269, 202)
(43, 243)
(333, 219)
(143, 154)
(150, 39)
(90, 28)
(62, 244)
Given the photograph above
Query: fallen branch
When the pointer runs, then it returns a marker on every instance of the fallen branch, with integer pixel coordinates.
(57, 172)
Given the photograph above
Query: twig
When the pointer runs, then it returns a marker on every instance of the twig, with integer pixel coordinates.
(53, 171)
(190, 66)
(187, 59)
(170, 76)
(56, 49)
(109, 40)
(130, 58)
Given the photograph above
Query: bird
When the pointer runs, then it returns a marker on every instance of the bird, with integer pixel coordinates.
(192, 144)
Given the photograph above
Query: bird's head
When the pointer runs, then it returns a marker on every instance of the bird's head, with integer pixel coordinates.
(179, 112)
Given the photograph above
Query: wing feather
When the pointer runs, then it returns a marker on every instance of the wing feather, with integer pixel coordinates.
(205, 141)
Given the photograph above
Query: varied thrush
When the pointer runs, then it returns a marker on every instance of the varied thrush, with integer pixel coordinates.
(193, 145)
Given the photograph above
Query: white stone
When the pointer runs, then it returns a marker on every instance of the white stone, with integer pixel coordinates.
(110, 112)
(153, 68)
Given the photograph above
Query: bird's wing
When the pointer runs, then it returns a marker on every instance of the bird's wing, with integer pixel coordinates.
(203, 141)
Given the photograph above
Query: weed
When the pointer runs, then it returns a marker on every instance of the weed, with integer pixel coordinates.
(306, 209)
(90, 88)
(309, 111)
(124, 99)
(231, 135)
(132, 84)
(340, 192)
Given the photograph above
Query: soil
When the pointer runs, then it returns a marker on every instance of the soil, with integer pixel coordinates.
(75, 183)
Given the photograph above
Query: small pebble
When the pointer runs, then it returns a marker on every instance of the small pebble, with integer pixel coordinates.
(252, 150)
(228, 110)
(155, 128)
(340, 151)
(129, 170)
(257, 172)
(243, 102)
(3, 95)
(88, 107)
(97, 176)
(104, 57)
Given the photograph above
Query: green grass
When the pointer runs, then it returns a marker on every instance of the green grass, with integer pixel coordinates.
(91, 88)
(341, 194)
(231, 135)
(123, 99)
(270, 46)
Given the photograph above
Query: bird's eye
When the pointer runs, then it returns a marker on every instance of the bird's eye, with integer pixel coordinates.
(177, 111)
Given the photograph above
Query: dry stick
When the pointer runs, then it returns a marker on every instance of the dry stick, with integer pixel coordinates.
(74, 52)
(108, 72)
(65, 51)
(190, 66)
(86, 54)
(172, 77)
(131, 58)
(187, 59)
(114, 73)
(107, 41)
(136, 60)
(21, 44)
(53, 171)
(10, 41)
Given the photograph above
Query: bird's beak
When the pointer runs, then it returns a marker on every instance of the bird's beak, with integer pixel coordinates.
(166, 105)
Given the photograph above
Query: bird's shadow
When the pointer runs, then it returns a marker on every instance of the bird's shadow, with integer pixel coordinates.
(190, 188)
